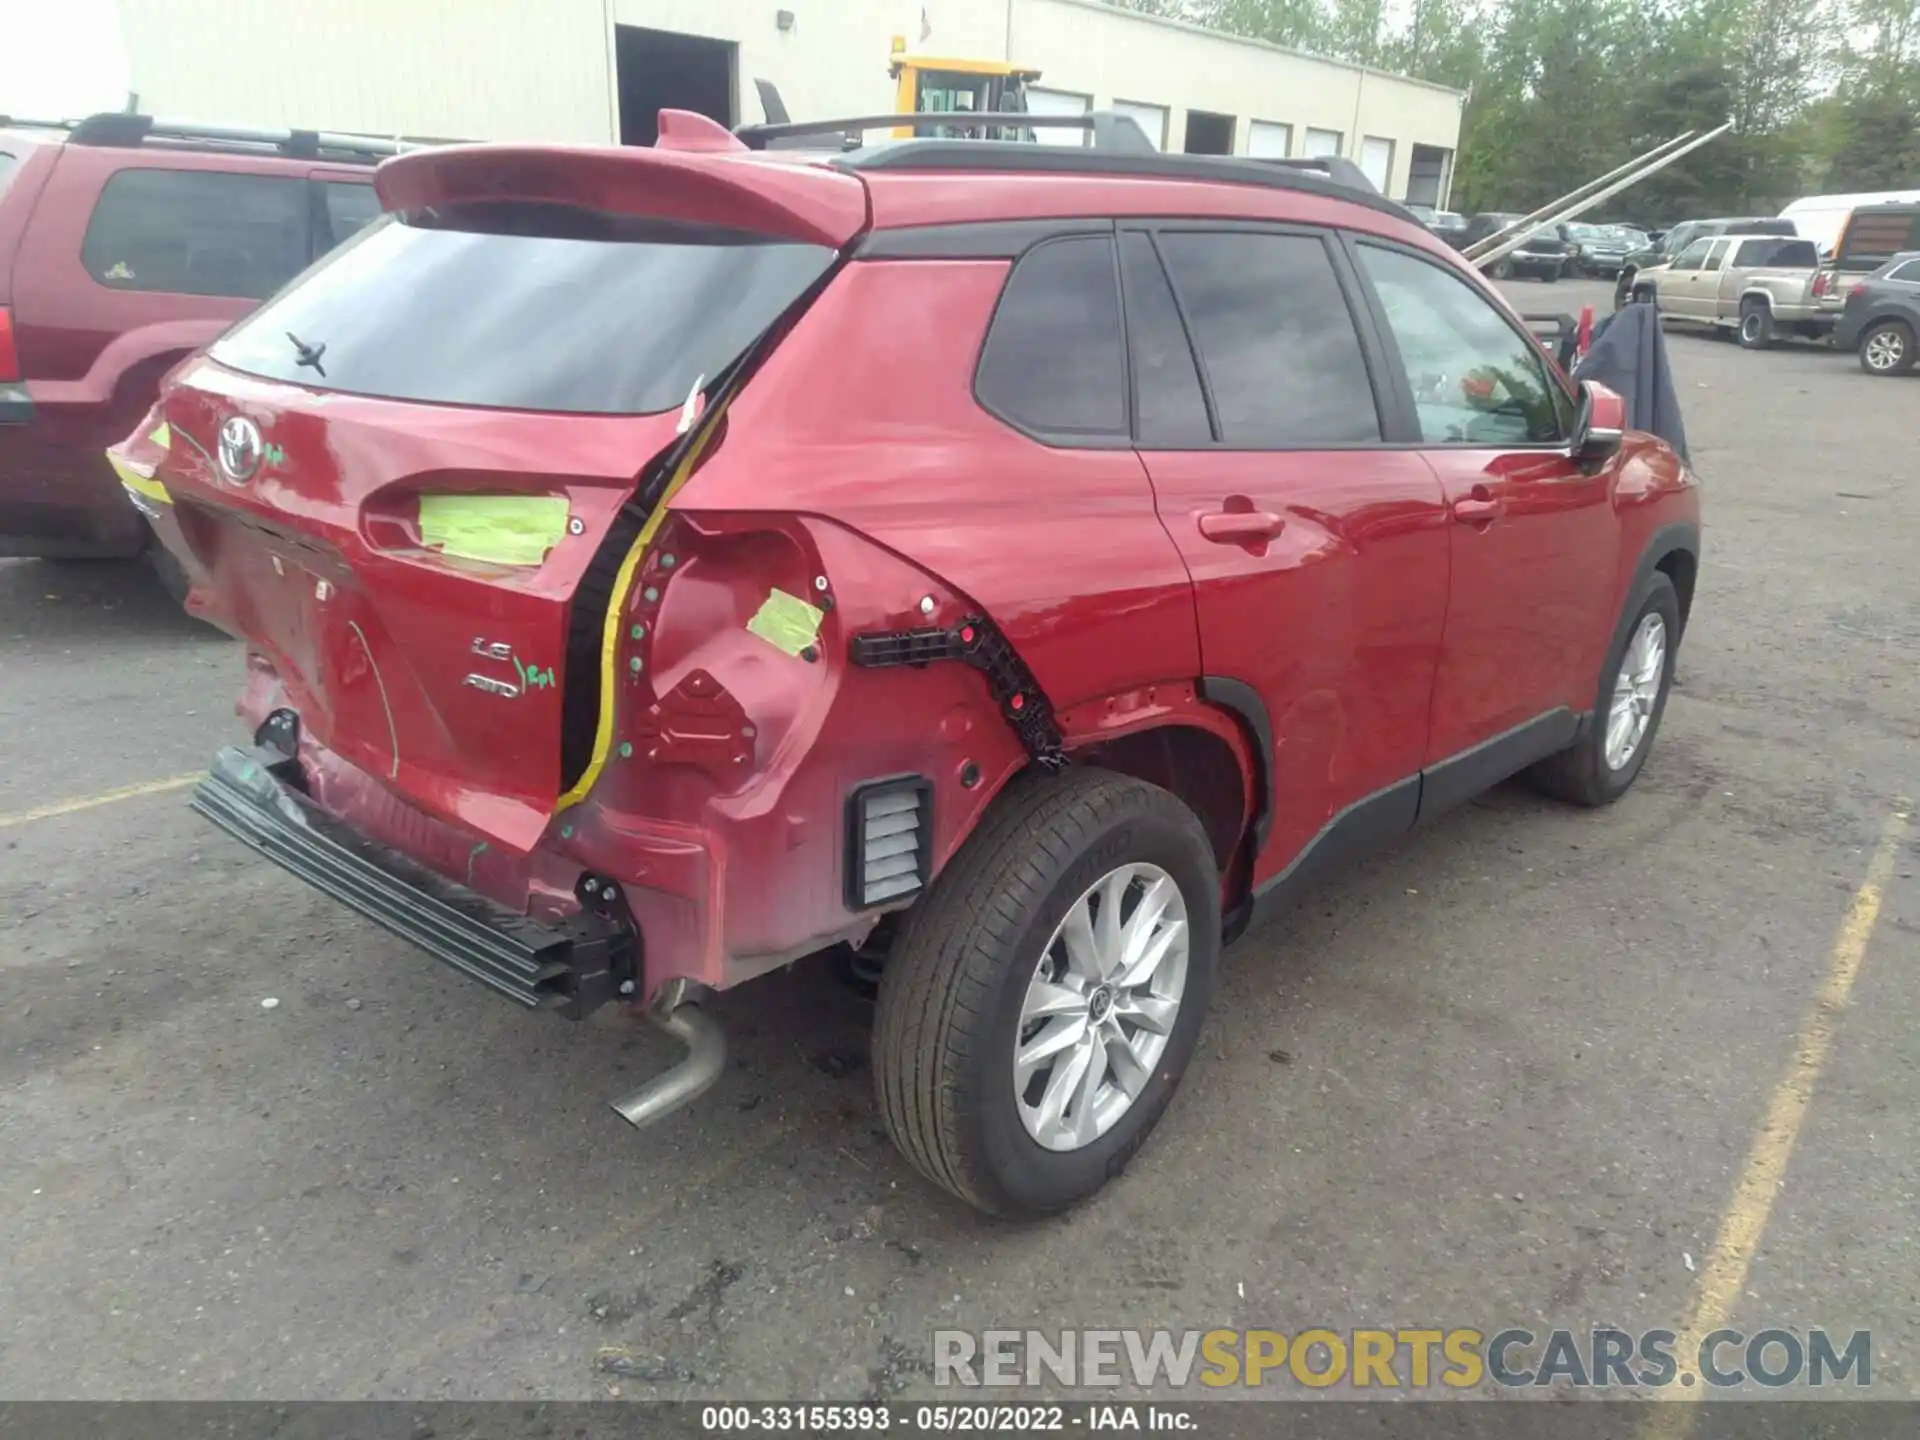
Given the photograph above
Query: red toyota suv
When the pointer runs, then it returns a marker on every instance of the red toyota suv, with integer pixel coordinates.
(1021, 564)
(125, 243)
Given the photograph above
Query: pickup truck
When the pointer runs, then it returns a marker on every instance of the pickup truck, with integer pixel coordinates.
(1759, 286)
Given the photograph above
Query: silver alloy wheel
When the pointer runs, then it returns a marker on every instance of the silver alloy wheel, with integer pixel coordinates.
(1884, 349)
(1636, 689)
(1750, 326)
(1101, 1007)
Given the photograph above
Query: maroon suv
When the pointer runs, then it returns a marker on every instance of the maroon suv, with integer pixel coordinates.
(125, 244)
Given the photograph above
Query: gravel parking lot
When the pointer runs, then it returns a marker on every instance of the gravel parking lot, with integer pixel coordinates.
(1511, 1072)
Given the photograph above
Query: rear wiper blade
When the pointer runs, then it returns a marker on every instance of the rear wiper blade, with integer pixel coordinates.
(305, 354)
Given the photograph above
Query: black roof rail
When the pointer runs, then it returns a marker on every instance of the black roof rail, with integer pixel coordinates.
(1110, 131)
(1334, 167)
(117, 128)
(1003, 156)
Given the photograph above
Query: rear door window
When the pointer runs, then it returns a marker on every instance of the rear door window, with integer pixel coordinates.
(527, 307)
(198, 232)
(1054, 362)
(1907, 272)
(1169, 410)
(1279, 354)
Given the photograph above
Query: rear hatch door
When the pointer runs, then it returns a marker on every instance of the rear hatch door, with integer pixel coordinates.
(408, 477)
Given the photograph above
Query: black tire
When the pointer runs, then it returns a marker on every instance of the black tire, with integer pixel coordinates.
(1504, 270)
(1552, 276)
(1623, 290)
(1756, 324)
(1580, 773)
(955, 980)
(1894, 339)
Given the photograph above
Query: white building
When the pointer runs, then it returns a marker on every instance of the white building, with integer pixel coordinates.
(599, 70)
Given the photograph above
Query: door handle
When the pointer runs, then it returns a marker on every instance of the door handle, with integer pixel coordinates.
(1479, 506)
(1241, 527)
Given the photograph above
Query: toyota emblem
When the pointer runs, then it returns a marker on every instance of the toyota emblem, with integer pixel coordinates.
(240, 449)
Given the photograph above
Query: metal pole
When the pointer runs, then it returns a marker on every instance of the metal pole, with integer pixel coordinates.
(1528, 224)
(1520, 233)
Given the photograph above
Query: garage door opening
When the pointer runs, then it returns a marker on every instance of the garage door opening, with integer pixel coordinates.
(660, 70)
(1427, 175)
(1209, 134)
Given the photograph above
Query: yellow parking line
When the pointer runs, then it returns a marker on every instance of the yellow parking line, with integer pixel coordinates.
(1724, 1275)
(105, 797)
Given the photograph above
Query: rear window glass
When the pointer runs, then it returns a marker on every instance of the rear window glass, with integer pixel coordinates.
(526, 308)
(8, 164)
(1778, 252)
(198, 232)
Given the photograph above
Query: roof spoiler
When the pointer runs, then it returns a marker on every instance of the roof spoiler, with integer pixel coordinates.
(1494, 248)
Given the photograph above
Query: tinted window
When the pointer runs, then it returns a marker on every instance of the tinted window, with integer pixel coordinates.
(350, 208)
(1276, 340)
(528, 308)
(1053, 360)
(1909, 272)
(1693, 255)
(1475, 379)
(1716, 255)
(1778, 252)
(1168, 408)
(198, 232)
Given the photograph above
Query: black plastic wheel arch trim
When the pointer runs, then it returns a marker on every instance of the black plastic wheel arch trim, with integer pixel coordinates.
(570, 968)
(975, 641)
(1244, 701)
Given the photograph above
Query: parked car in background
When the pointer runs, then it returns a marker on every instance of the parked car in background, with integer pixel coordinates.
(1867, 240)
(1823, 218)
(1758, 286)
(1449, 225)
(1881, 318)
(125, 244)
(1601, 250)
(592, 649)
(1672, 241)
(1542, 255)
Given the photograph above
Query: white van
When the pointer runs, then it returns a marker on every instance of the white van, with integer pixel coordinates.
(1821, 218)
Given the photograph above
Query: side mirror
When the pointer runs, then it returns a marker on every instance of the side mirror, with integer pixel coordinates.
(1602, 423)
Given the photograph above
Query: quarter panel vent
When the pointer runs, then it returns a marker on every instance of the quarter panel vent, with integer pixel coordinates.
(889, 841)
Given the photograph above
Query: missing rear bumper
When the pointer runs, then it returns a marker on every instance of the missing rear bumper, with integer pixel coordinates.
(570, 968)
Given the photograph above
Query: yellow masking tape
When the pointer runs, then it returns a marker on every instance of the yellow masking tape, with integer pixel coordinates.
(786, 622)
(617, 604)
(498, 529)
(134, 480)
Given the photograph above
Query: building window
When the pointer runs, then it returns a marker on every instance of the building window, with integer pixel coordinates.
(1269, 140)
(1150, 118)
(1322, 142)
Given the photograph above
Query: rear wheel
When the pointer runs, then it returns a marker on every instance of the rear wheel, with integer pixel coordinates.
(1756, 324)
(1041, 1004)
(1602, 765)
(1623, 290)
(1887, 348)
